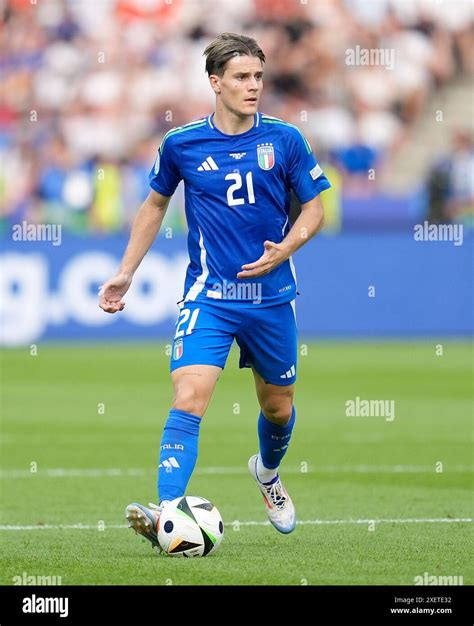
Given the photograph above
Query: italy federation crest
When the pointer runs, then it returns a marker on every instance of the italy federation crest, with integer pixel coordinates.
(177, 349)
(266, 156)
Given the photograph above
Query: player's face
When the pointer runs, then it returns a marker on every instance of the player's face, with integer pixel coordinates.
(241, 85)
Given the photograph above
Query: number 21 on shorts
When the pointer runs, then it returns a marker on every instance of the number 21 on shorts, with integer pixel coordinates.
(184, 318)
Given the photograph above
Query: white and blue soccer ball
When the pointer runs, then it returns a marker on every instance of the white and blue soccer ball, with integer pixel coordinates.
(190, 526)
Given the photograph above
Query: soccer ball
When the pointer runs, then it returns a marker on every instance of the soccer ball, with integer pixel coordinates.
(190, 526)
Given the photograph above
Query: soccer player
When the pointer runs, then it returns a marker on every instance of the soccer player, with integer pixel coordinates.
(238, 167)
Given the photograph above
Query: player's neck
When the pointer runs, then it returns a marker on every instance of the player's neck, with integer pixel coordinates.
(231, 124)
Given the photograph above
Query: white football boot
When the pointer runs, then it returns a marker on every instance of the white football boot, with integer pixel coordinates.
(145, 521)
(280, 508)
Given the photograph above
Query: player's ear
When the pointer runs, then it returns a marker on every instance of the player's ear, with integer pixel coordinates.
(215, 82)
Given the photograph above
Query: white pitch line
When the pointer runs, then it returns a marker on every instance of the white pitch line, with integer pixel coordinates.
(64, 472)
(237, 523)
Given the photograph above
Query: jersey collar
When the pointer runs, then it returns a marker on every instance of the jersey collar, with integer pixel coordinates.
(256, 124)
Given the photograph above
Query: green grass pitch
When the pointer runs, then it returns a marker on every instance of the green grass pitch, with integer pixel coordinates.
(364, 487)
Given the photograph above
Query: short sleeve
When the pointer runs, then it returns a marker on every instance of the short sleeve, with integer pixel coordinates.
(165, 175)
(306, 177)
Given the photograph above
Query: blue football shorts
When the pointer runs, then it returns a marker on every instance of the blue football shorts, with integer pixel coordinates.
(266, 336)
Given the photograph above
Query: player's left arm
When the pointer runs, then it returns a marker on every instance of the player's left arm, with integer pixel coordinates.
(309, 222)
(307, 180)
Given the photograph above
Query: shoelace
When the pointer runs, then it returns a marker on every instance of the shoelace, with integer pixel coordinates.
(276, 493)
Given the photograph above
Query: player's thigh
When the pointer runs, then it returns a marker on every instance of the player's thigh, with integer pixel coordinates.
(268, 343)
(276, 401)
(203, 336)
(193, 387)
(202, 341)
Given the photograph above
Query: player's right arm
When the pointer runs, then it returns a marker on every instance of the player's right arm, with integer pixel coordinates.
(164, 178)
(145, 228)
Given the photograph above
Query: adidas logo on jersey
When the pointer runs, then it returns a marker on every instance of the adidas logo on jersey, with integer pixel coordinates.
(168, 464)
(207, 165)
(291, 372)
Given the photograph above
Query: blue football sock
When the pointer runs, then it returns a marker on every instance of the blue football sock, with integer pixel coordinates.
(274, 440)
(178, 454)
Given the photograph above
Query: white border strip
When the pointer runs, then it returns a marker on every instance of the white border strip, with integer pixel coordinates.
(200, 281)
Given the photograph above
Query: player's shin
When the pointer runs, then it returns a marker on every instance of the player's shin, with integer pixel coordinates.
(178, 454)
(274, 441)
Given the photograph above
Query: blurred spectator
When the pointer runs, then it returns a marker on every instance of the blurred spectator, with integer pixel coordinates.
(451, 183)
(64, 188)
(356, 162)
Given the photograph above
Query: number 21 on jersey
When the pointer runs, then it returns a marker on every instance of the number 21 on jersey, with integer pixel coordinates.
(237, 178)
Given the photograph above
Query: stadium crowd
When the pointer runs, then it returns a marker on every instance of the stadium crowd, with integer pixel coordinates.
(90, 87)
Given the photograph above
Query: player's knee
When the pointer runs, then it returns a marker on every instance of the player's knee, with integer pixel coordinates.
(189, 400)
(278, 410)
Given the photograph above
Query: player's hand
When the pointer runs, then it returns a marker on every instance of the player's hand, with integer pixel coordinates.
(110, 294)
(274, 254)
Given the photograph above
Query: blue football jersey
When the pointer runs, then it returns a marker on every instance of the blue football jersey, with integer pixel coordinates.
(237, 195)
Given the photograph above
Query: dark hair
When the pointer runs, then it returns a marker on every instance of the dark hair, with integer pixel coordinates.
(225, 47)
